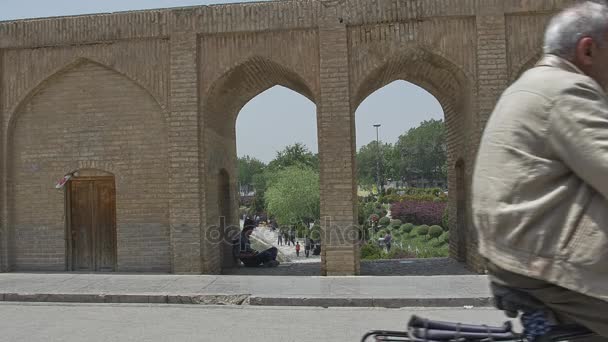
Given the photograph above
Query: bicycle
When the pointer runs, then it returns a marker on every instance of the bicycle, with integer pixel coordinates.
(535, 318)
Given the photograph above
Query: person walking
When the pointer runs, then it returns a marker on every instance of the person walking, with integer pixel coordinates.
(280, 241)
(298, 249)
(307, 244)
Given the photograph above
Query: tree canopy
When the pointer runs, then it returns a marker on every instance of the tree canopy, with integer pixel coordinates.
(293, 195)
(295, 155)
(421, 152)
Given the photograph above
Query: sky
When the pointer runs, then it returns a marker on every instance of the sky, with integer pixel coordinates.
(277, 117)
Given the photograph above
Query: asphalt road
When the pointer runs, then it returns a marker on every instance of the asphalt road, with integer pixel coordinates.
(138, 322)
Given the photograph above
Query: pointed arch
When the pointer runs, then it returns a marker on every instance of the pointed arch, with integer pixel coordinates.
(57, 73)
(453, 89)
(429, 70)
(220, 106)
(231, 91)
(88, 116)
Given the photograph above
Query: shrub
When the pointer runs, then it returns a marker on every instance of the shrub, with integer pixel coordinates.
(435, 231)
(430, 213)
(399, 253)
(390, 198)
(407, 227)
(396, 223)
(371, 251)
(384, 221)
(422, 230)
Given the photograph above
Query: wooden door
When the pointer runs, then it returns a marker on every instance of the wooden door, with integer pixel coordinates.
(92, 213)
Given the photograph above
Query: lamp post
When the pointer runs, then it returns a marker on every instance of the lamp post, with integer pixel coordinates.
(378, 183)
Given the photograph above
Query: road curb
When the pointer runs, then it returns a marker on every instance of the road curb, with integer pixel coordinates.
(371, 302)
(246, 299)
(215, 299)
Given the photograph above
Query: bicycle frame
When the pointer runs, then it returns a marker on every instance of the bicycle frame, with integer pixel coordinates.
(457, 332)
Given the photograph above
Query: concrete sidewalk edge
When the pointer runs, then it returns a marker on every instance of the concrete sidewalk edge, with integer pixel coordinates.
(246, 299)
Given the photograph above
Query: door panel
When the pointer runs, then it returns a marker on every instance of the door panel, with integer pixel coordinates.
(93, 224)
(81, 225)
(104, 224)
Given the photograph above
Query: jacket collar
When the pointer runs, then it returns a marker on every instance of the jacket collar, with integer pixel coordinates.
(558, 62)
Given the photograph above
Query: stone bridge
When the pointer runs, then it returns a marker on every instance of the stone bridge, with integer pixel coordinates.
(140, 108)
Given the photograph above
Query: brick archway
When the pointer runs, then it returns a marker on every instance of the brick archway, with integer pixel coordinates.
(72, 119)
(221, 106)
(197, 66)
(453, 89)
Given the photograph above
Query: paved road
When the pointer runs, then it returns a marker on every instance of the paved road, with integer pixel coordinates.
(132, 322)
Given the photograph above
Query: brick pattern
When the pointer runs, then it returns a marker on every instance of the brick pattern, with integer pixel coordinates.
(492, 80)
(524, 41)
(196, 67)
(3, 182)
(336, 153)
(185, 205)
(145, 62)
(242, 17)
(234, 68)
(431, 55)
(88, 117)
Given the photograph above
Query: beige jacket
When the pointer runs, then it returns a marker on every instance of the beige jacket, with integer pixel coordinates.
(540, 183)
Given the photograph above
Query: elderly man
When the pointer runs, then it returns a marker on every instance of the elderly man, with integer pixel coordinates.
(540, 183)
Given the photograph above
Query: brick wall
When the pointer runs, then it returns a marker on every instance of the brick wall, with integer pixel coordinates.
(336, 150)
(182, 75)
(186, 189)
(88, 117)
(492, 80)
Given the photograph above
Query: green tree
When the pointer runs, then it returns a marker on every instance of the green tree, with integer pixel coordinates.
(248, 168)
(421, 152)
(295, 155)
(367, 157)
(293, 196)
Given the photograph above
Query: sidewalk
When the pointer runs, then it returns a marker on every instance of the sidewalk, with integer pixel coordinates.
(363, 291)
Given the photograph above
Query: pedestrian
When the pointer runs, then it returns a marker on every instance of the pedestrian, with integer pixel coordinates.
(280, 242)
(307, 244)
(387, 241)
(298, 248)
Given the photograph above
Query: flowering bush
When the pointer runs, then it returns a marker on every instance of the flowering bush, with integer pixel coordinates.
(416, 212)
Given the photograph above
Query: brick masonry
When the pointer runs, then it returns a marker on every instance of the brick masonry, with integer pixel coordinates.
(152, 98)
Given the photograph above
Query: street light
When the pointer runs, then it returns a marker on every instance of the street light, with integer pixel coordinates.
(378, 185)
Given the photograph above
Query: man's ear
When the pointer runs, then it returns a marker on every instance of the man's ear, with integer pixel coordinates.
(585, 50)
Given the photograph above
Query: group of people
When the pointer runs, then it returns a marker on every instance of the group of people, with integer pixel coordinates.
(288, 238)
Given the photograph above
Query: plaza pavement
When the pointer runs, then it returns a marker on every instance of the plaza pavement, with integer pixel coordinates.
(353, 291)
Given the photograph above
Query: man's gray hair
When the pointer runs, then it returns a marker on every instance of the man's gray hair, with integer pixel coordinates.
(586, 19)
